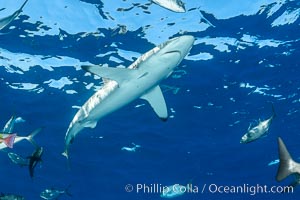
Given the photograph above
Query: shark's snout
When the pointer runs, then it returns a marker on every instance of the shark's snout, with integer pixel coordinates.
(183, 44)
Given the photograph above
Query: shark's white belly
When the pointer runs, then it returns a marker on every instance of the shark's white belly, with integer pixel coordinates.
(130, 89)
(121, 96)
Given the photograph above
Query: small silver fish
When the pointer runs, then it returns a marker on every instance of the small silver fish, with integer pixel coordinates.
(34, 159)
(11, 197)
(17, 159)
(19, 138)
(258, 131)
(274, 162)
(53, 193)
(177, 190)
(132, 149)
(173, 5)
(173, 191)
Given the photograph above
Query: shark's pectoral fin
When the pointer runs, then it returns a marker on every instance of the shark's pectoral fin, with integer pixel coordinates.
(116, 74)
(157, 102)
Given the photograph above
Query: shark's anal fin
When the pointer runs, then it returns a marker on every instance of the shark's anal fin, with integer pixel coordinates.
(157, 102)
(116, 74)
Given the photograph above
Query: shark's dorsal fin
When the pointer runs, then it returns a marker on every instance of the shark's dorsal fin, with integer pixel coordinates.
(287, 165)
(116, 74)
(157, 102)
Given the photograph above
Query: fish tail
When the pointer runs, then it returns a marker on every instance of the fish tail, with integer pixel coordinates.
(67, 191)
(31, 136)
(66, 154)
(287, 165)
(9, 141)
(273, 110)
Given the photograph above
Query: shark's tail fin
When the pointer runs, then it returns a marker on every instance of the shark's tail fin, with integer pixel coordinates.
(287, 165)
(31, 136)
(66, 154)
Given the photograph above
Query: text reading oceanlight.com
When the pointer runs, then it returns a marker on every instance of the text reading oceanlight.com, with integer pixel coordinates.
(207, 188)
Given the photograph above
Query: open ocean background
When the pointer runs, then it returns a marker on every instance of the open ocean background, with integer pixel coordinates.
(246, 55)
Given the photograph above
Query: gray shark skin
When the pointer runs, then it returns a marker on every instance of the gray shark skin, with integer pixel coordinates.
(7, 20)
(124, 85)
(287, 165)
(172, 5)
(258, 131)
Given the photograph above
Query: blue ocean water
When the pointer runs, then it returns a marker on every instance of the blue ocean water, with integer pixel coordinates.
(245, 56)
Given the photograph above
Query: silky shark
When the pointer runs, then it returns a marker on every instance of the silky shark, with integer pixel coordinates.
(173, 5)
(124, 85)
(6, 20)
(287, 165)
